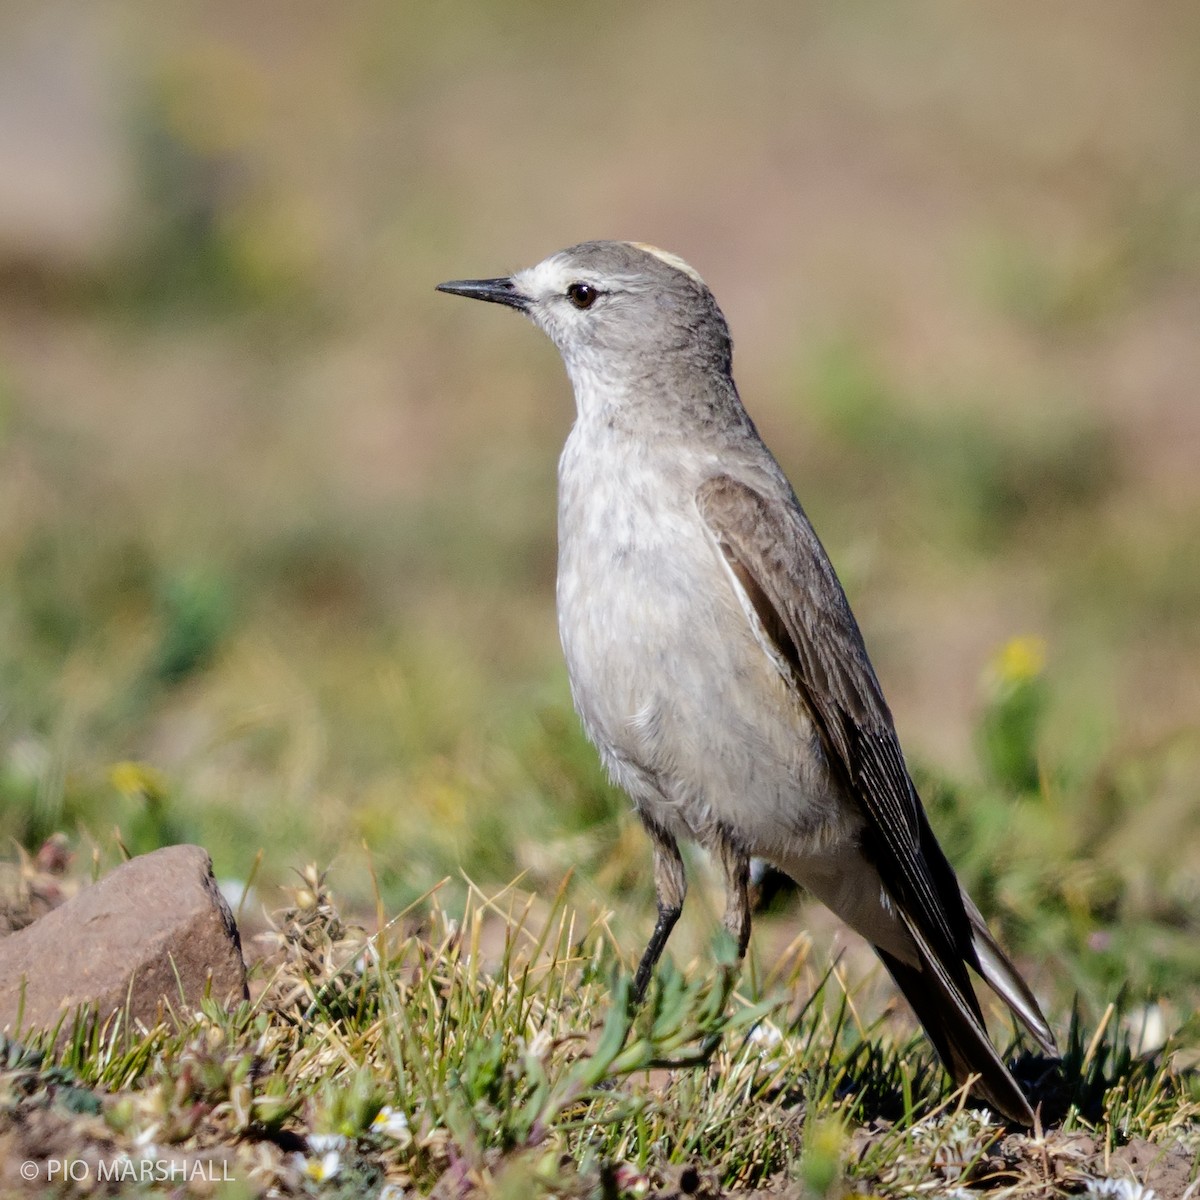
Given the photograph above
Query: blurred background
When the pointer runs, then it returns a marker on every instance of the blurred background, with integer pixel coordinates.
(277, 521)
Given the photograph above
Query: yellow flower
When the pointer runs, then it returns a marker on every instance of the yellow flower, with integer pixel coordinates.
(137, 780)
(1020, 660)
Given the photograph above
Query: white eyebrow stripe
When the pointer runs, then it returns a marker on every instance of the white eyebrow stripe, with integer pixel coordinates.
(549, 276)
(672, 260)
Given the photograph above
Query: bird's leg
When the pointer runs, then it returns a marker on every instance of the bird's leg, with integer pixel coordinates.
(735, 864)
(670, 887)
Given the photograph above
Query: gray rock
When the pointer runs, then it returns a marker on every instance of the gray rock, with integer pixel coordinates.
(155, 930)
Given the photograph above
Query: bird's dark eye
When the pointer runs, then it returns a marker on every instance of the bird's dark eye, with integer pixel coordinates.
(582, 295)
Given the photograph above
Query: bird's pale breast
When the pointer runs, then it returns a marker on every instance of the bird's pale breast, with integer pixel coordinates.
(689, 713)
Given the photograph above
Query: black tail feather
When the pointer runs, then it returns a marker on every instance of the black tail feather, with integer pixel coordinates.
(957, 1033)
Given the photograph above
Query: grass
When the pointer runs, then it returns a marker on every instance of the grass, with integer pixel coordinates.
(481, 1039)
(276, 531)
(498, 1052)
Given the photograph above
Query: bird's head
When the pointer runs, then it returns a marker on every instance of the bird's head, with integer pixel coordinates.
(620, 313)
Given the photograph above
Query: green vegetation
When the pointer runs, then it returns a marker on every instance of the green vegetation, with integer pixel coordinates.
(277, 549)
(500, 1050)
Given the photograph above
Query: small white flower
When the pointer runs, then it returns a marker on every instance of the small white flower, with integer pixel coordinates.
(319, 1169)
(1119, 1189)
(392, 1123)
(391, 1191)
(765, 1036)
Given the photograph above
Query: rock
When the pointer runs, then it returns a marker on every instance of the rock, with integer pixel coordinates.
(156, 929)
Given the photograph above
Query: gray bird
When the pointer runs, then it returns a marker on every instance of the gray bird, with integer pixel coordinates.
(713, 657)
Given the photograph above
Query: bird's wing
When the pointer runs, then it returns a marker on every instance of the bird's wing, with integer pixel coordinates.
(787, 577)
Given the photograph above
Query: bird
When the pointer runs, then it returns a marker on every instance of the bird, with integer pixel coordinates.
(713, 657)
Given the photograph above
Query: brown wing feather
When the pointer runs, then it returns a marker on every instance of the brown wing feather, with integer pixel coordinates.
(784, 571)
(791, 583)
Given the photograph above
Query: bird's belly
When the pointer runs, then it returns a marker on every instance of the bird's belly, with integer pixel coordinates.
(690, 715)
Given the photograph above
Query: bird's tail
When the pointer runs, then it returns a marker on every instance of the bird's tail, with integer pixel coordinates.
(1004, 979)
(954, 1023)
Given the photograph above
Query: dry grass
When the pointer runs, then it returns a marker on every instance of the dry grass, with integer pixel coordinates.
(277, 523)
(499, 1051)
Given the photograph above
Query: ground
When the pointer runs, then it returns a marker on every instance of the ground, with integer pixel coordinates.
(277, 520)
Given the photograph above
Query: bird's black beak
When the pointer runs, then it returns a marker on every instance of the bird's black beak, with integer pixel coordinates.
(497, 291)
